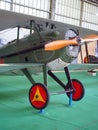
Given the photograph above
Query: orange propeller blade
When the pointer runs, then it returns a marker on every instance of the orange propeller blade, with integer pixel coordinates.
(90, 38)
(56, 45)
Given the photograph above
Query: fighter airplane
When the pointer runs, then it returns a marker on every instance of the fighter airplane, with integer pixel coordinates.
(46, 42)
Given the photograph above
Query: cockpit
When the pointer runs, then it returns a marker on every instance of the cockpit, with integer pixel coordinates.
(11, 35)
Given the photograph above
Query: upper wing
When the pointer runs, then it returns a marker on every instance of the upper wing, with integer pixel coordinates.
(15, 69)
(10, 19)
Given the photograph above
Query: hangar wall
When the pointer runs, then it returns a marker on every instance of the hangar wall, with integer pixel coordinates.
(76, 12)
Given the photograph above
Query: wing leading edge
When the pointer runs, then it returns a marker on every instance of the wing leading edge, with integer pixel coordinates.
(81, 67)
(58, 65)
(9, 19)
(15, 69)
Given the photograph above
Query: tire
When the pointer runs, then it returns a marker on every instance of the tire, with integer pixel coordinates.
(78, 94)
(38, 96)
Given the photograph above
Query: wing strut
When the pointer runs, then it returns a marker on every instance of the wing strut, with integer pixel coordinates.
(32, 22)
(45, 74)
(28, 75)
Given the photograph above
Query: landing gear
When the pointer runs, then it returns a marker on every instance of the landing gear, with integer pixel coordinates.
(39, 96)
(74, 88)
(38, 93)
(78, 90)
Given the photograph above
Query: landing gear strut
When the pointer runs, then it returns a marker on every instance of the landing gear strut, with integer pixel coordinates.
(74, 88)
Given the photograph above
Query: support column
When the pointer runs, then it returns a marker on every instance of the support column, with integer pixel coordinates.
(11, 5)
(81, 13)
(52, 9)
(87, 55)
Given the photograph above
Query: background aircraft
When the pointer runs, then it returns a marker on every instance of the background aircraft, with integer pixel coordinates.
(37, 52)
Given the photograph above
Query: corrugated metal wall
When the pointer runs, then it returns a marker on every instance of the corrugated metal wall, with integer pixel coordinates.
(76, 12)
(68, 11)
(90, 18)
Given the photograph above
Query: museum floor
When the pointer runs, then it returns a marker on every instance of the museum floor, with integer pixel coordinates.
(16, 113)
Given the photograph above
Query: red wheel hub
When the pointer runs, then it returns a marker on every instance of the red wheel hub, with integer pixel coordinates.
(38, 96)
(78, 90)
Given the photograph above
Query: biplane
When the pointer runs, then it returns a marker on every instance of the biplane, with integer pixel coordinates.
(46, 42)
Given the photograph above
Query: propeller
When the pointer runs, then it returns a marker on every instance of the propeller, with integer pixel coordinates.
(90, 38)
(56, 45)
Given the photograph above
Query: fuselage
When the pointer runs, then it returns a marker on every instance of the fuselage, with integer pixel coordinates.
(31, 48)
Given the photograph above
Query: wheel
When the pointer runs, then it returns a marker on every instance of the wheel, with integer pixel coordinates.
(38, 96)
(78, 92)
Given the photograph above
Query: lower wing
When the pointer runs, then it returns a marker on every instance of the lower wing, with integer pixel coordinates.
(81, 67)
(15, 69)
(57, 65)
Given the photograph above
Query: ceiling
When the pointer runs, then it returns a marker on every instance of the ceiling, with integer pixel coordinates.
(93, 1)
